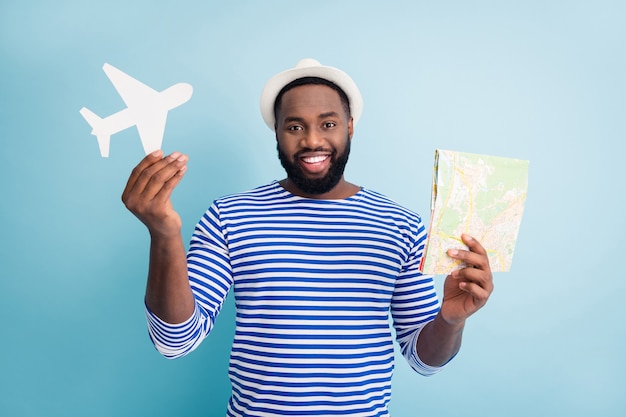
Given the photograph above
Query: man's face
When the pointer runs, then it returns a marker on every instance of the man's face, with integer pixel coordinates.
(313, 135)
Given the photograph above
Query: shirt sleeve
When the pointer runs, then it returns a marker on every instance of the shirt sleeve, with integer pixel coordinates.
(210, 278)
(414, 304)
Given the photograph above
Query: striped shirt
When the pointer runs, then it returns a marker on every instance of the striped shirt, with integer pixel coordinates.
(314, 282)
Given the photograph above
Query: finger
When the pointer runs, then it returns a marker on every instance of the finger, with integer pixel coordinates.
(470, 259)
(164, 194)
(153, 179)
(480, 294)
(476, 256)
(475, 276)
(473, 244)
(146, 162)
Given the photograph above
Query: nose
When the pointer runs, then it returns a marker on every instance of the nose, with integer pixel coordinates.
(313, 139)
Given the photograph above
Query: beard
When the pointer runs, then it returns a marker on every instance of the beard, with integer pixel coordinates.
(316, 186)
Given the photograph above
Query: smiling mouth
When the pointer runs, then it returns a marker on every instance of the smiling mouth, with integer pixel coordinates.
(314, 159)
(316, 164)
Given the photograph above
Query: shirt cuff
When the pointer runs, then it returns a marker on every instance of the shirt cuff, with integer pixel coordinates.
(417, 364)
(175, 340)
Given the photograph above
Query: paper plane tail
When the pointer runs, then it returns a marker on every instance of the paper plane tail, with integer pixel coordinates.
(98, 130)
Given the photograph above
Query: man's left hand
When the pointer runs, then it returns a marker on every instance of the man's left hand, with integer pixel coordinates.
(466, 290)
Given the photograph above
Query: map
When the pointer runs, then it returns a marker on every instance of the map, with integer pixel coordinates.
(479, 195)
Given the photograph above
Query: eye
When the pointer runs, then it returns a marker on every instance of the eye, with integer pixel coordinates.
(294, 127)
(329, 125)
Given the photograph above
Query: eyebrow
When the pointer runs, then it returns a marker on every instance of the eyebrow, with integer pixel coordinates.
(320, 116)
(328, 114)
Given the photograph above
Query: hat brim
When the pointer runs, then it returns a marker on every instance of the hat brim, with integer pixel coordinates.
(334, 75)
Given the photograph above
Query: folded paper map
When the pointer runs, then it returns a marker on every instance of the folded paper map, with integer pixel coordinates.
(479, 195)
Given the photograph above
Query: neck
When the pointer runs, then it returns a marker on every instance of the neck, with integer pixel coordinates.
(342, 190)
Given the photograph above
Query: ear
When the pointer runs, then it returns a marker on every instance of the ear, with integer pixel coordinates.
(350, 127)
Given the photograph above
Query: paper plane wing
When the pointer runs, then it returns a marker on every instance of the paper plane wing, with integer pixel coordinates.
(151, 130)
(134, 93)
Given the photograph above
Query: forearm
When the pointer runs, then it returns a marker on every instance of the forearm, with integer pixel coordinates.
(168, 293)
(439, 341)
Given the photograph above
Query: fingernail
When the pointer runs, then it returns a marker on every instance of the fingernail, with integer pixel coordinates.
(453, 252)
(156, 153)
(175, 155)
(182, 158)
(468, 237)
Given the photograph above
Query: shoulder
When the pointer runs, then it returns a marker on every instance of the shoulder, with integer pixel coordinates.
(244, 203)
(387, 205)
(392, 216)
(263, 193)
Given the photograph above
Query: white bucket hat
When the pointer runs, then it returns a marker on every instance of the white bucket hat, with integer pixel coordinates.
(309, 68)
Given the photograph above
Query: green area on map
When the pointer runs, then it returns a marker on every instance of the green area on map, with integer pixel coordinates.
(480, 195)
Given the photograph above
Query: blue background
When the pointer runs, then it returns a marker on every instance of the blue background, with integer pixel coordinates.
(537, 80)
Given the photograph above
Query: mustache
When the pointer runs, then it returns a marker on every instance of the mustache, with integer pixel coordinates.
(301, 152)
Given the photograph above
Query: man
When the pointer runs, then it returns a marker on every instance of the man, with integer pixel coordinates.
(316, 264)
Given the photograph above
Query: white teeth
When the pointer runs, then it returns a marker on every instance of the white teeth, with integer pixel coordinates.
(314, 159)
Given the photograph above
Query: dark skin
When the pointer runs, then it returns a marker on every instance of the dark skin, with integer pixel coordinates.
(311, 122)
(148, 196)
(465, 291)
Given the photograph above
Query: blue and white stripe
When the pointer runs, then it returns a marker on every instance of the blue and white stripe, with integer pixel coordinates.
(314, 282)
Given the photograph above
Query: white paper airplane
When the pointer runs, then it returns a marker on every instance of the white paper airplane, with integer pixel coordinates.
(146, 108)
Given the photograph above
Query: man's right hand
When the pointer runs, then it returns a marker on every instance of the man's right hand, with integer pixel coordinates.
(149, 188)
